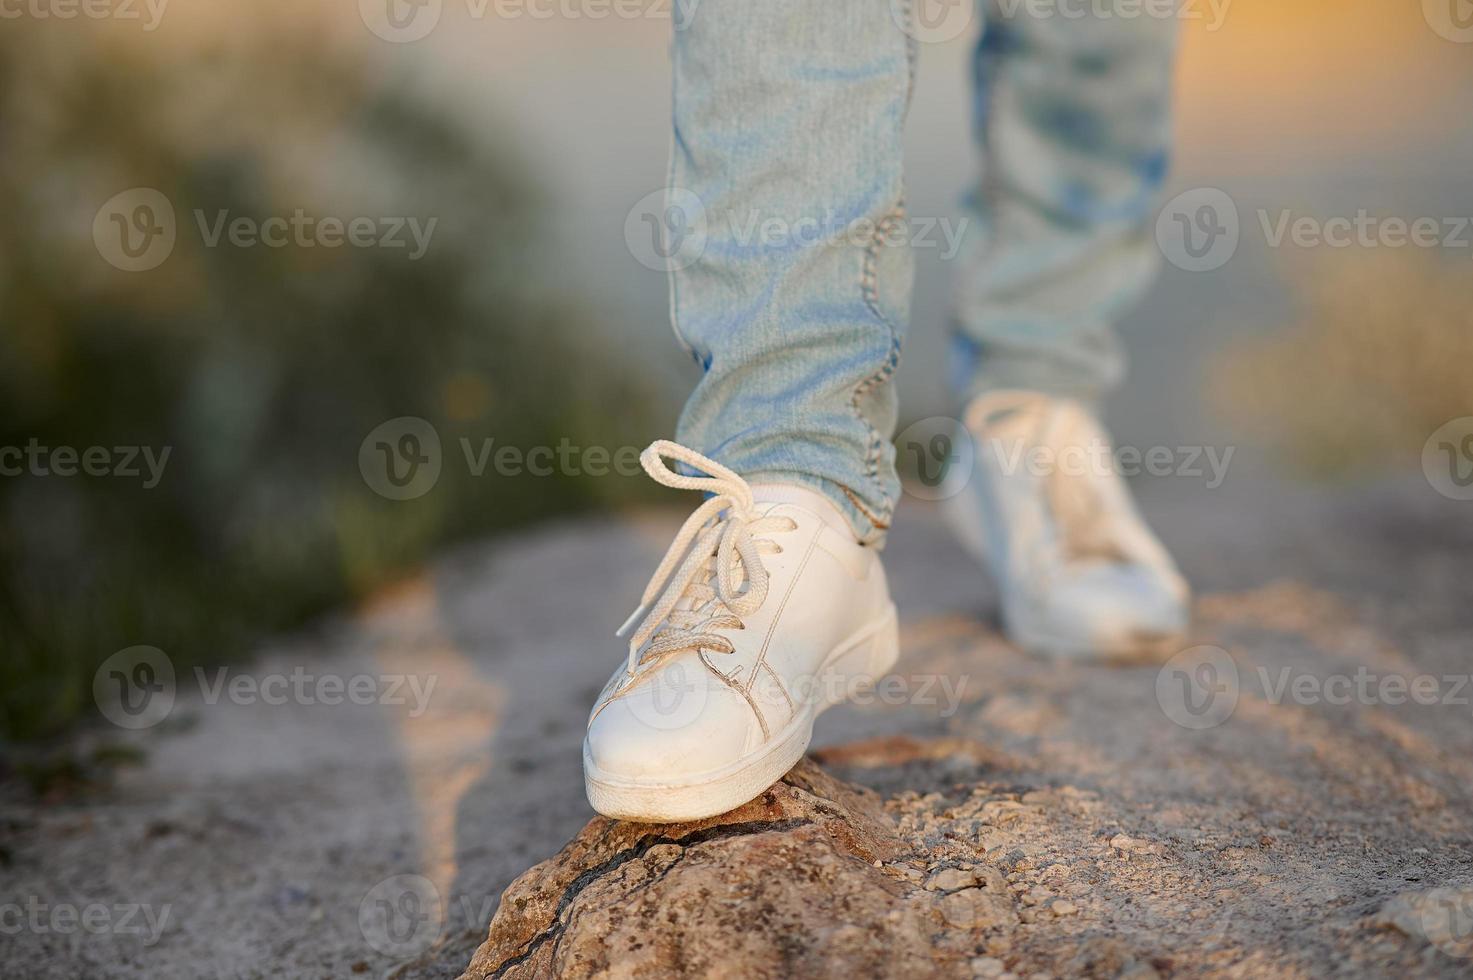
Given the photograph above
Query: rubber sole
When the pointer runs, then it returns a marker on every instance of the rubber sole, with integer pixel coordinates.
(868, 653)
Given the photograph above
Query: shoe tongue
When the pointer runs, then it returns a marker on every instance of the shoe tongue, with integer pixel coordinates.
(805, 497)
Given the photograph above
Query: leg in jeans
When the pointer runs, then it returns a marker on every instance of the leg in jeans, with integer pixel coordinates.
(1073, 115)
(788, 125)
(789, 290)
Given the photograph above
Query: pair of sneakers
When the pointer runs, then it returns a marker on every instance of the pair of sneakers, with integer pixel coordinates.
(766, 610)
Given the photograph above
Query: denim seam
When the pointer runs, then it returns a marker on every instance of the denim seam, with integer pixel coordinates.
(869, 289)
(877, 521)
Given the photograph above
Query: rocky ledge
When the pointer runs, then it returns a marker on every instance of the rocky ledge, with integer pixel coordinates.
(969, 861)
(810, 879)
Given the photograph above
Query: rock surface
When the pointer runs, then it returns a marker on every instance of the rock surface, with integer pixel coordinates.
(810, 879)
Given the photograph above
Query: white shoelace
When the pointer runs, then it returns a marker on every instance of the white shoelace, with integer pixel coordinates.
(721, 575)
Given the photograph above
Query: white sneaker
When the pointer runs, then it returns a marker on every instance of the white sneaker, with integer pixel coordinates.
(1079, 573)
(763, 613)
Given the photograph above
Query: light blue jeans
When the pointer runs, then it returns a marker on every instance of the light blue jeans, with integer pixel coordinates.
(792, 283)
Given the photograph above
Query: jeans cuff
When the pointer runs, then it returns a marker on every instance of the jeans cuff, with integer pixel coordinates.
(869, 528)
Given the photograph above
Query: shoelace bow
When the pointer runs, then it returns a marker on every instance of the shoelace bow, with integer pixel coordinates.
(714, 562)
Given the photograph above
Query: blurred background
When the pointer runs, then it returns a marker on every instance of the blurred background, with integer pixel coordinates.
(527, 134)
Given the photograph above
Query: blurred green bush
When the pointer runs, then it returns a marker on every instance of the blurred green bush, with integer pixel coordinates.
(260, 370)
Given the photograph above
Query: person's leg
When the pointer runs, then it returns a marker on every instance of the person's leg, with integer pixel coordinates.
(790, 285)
(788, 137)
(1073, 116)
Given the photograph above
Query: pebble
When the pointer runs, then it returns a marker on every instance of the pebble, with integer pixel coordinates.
(999, 812)
(1037, 895)
(986, 966)
(950, 880)
(1061, 907)
(1124, 842)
